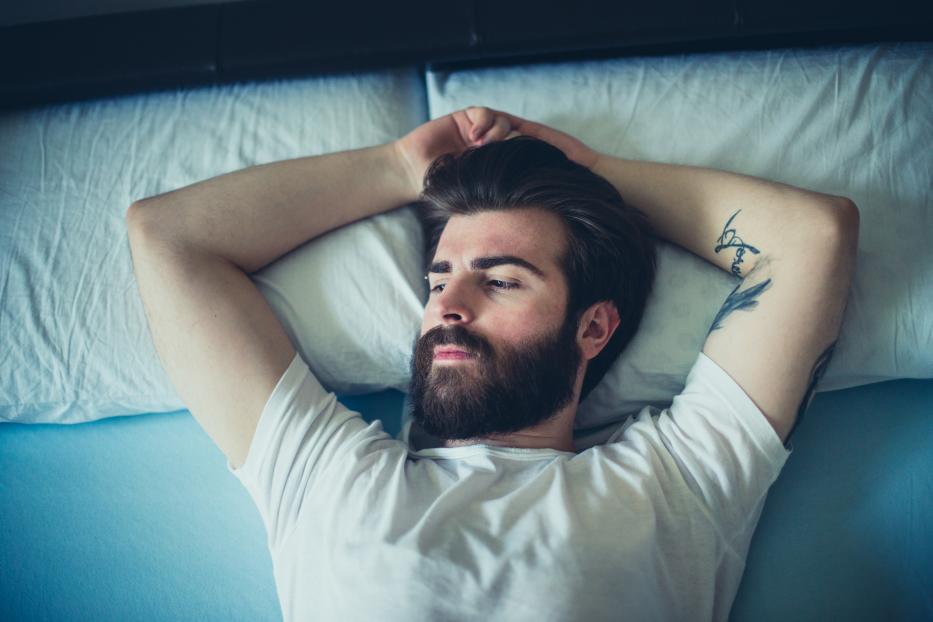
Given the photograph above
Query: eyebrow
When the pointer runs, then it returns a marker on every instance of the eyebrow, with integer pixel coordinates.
(484, 263)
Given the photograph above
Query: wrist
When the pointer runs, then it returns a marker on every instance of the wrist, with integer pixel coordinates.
(405, 170)
(597, 161)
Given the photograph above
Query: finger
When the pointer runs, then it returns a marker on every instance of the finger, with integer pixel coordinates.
(481, 118)
(515, 122)
(523, 126)
(500, 128)
(529, 128)
(537, 130)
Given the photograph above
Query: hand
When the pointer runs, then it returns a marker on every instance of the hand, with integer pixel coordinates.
(472, 127)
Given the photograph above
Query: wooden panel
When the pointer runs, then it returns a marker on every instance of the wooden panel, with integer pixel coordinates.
(826, 16)
(121, 53)
(91, 56)
(259, 39)
(548, 25)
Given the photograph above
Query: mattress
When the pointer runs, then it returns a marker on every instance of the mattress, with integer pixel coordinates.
(137, 518)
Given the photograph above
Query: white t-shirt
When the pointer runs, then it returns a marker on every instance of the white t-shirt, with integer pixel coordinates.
(655, 524)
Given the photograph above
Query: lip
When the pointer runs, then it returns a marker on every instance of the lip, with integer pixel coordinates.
(442, 353)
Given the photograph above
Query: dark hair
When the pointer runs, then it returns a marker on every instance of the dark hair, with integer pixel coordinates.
(611, 249)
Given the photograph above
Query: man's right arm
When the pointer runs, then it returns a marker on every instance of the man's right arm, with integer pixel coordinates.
(253, 216)
(217, 337)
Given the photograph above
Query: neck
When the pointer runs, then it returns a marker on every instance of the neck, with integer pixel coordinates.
(555, 433)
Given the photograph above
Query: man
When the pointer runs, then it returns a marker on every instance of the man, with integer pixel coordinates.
(501, 518)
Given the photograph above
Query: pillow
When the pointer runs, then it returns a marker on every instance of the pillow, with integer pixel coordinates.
(853, 121)
(76, 343)
(351, 301)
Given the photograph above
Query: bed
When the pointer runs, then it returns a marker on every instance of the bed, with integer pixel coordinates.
(137, 518)
(115, 505)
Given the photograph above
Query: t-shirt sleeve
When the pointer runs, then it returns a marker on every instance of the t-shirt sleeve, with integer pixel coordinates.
(302, 432)
(725, 448)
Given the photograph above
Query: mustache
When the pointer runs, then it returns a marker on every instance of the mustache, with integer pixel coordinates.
(454, 335)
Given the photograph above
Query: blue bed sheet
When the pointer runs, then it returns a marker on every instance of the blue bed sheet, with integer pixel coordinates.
(137, 518)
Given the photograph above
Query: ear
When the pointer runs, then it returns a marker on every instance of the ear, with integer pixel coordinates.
(597, 326)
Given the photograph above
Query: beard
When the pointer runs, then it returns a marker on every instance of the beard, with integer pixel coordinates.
(493, 393)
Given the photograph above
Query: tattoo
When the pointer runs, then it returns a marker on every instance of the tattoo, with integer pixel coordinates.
(818, 369)
(739, 300)
(729, 239)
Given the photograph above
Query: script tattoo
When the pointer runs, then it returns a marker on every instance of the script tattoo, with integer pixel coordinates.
(818, 368)
(739, 300)
(729, 239)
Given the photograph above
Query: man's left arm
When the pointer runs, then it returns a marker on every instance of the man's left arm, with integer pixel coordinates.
(794, 250)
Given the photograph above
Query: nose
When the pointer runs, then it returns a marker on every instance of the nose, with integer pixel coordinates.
(454, 303)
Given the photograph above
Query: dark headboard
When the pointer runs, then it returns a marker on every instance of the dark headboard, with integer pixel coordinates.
(203, 44)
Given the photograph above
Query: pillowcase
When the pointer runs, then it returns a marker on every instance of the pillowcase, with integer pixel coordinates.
(76, 342)
(854, 121)
(77, 345)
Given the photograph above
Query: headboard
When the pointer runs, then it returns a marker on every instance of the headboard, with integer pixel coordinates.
(55, 56)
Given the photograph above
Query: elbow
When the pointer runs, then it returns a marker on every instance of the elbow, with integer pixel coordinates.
(840, 218)
(132, 213)
(847, 208)
(135, 211)
(847, 212)
(845, 227)
(142, 212)
(134, 218)
(141, 219)
(851, 217)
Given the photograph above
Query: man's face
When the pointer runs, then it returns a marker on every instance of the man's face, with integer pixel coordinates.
(496, 354)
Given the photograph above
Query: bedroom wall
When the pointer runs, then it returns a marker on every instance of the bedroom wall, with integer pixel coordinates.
(45, 10)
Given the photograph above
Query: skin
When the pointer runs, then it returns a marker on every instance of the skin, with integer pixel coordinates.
(475, 300)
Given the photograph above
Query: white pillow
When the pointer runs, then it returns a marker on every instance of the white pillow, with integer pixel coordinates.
(79, 346)
(351, 301)
(75, 342)
(853, 121)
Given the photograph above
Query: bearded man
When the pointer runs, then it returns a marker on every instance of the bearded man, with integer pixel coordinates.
(538, 271)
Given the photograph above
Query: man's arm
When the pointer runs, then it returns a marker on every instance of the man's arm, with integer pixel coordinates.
(728, 219)
(794, 251)
(254, 216)
(219, 341)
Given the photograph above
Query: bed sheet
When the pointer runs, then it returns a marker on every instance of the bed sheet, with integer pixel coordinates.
(134, 518)
(137, 518)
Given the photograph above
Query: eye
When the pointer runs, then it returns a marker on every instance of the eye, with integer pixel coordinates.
(503, 285)
(496, 284)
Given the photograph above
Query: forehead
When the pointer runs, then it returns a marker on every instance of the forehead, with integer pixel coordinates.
(534, 234)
